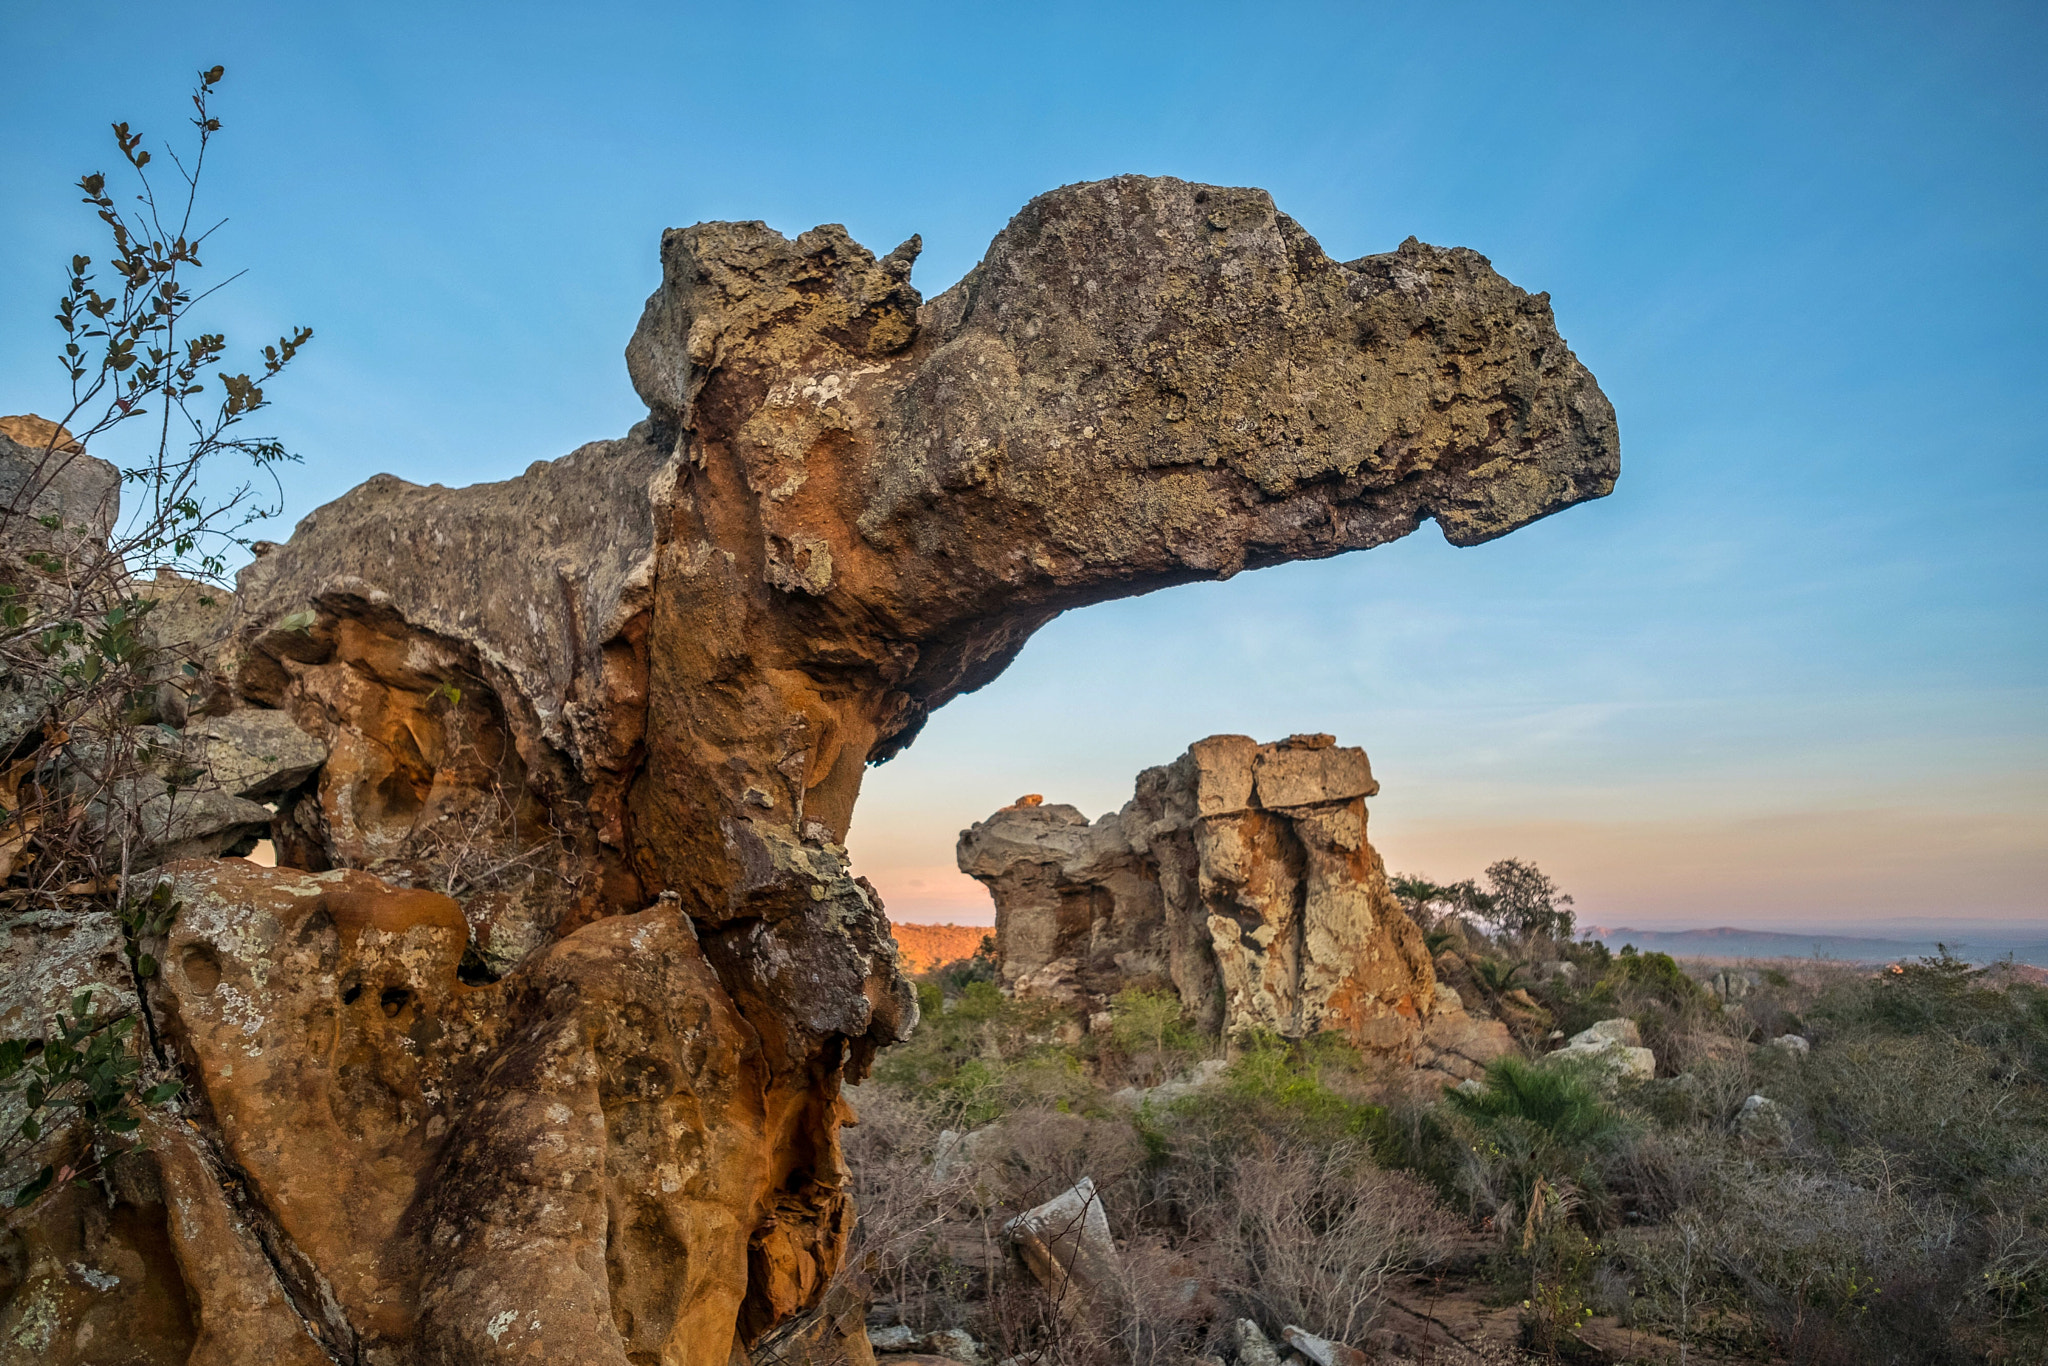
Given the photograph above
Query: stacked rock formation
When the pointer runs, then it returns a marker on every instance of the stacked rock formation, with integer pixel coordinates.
(1240, 877)
(533, 1048)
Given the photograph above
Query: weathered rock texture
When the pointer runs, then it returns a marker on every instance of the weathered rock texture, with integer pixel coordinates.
(1240, 877)
(533, 1049)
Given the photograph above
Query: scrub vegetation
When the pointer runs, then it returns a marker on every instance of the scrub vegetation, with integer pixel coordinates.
(1886, 1200)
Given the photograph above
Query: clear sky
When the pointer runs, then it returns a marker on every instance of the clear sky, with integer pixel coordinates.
(1792, 674)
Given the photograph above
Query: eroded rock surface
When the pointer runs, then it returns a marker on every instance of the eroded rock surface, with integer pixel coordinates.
(532, 1049)
(1239, 876)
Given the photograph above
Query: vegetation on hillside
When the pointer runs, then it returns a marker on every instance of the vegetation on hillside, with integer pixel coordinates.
(1886, 1200)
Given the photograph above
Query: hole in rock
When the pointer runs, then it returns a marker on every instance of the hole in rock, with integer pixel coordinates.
(394, 1000)
(473, 971)
(202, 968)
(350, 992)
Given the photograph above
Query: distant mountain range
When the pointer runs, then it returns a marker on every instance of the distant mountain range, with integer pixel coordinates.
(1979, 942)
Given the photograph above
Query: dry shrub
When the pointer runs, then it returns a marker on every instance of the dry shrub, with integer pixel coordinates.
(902, 1209)
(1312, 1234)
(1036, 1154)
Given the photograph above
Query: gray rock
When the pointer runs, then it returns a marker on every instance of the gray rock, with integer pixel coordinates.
(1322, 1351)
(254, 753)
(1794, 1045)
(961, 1154)
(1203, 1074)
(1249, 1346)
(1067, 1244)
(954, 1344)
(197, 823)
(897, 1337)
(1612, 1049)
(1762, 1121)
(40, 481)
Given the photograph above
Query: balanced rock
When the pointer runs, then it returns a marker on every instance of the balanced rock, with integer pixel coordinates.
(1240, 877)
(533, 1047)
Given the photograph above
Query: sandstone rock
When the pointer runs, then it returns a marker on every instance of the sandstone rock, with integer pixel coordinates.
(1611, 1048)
(44, 474)
(1067, 1245)
(1731, 984)
(1266, 917)
(1458, 1044)
(451, 1166)
(619, 707)
(253, 753)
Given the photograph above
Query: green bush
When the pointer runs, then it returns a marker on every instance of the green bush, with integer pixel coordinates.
(1534, 1124)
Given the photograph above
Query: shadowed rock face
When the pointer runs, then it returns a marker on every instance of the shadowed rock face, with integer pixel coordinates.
(617, 711)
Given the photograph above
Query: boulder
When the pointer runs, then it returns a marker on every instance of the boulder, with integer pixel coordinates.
(618, 708)
(1612, 1048)
(1762, 1122)
(1793, 1045)
(955, 1344)
(1066, 1244)
(1249, 1346)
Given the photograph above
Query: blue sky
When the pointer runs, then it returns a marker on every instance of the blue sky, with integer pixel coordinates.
(1793, 673)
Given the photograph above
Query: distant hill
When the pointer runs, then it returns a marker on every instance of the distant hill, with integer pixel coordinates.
(925, 947)
(2025, 942)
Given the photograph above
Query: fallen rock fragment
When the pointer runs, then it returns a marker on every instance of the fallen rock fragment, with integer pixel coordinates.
(1322, 1351)
(1250, 1347)
(1067, 1244)
(1762, 1122)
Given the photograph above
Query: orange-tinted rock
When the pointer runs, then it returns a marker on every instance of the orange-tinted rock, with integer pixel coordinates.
(596, 732)
(1241, 875)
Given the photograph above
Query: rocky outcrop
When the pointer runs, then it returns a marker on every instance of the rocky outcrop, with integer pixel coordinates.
(1240, 877)
(533, 1047)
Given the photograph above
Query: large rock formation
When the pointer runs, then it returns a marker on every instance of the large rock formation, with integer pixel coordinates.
(1240, 877)
(533, 1050)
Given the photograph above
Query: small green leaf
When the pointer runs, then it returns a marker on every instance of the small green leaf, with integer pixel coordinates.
(29, 1192)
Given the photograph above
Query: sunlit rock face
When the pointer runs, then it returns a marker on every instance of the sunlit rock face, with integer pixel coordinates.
(532, 1049)
(1240, 877)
